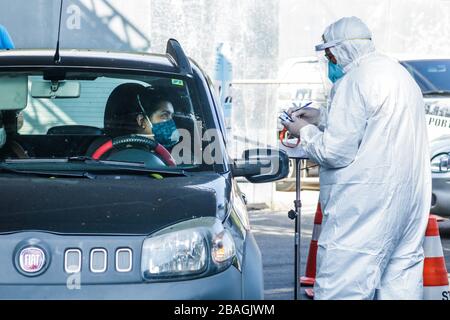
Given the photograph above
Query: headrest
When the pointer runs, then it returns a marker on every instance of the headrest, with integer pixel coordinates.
(121, 101)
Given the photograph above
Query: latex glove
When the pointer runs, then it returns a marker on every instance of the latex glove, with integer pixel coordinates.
(310, 115)
(295, 127)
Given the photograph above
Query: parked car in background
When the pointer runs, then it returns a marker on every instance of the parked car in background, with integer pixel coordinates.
(440, 171)
(433, 77)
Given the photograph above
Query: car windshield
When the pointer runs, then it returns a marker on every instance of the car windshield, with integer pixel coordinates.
(127, 118)
(432, 76)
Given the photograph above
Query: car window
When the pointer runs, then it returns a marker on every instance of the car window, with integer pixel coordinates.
(72, 114)
(218, 108)
(430, 75)
(41, 114)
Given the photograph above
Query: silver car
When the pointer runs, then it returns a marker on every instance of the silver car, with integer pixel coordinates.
(440, 200)
(433, 77)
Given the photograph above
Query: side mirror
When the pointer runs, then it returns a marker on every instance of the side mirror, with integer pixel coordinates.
(262, 165)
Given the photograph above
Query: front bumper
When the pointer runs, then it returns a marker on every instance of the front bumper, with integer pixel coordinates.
(226, 285)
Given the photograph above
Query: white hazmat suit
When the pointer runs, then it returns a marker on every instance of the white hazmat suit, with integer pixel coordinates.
(375, 176)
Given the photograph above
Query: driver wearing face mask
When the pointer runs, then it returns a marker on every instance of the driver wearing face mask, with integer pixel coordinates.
(154, 120)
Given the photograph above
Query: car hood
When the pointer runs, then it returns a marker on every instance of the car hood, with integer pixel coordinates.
(134, 205)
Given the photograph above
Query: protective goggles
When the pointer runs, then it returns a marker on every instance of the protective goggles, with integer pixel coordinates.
(333, 43)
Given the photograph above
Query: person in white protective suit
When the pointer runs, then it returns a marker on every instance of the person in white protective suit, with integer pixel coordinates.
(375, 176)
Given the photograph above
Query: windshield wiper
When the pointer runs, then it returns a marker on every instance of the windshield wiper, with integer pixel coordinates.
(101, 165)
(436, 92)
(48, 173)
(127, 166)
(86, 159)
(82, 159)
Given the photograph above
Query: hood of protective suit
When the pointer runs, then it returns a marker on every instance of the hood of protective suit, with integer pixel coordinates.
(349, 39)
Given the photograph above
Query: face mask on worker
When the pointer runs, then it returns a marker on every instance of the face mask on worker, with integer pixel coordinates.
(335, 72)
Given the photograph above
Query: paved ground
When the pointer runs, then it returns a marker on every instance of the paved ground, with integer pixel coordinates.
(274, 232)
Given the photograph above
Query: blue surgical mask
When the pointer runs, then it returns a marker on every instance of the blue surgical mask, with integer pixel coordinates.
(166, 133)
(335, 72)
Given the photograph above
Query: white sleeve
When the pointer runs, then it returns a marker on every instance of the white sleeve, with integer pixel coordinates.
(338, 144)
(323, 118)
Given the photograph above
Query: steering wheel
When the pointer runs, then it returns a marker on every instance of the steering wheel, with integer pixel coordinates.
(135, 140)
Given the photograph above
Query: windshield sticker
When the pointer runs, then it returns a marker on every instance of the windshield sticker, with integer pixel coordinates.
(178, 82)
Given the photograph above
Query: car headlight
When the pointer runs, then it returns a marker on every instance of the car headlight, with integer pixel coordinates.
(177, 253)
(440, 163)
(187, 250)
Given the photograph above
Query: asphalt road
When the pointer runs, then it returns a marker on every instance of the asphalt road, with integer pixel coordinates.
(274, 232)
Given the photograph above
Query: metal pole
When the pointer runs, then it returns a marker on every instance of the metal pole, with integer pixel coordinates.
(295, 215)
(298, 206)
(296, 258)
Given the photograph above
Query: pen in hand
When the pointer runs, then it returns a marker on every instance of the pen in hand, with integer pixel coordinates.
(302, 107)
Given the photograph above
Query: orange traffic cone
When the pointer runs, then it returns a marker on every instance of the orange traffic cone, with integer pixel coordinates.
(435, 279)
(310, 274)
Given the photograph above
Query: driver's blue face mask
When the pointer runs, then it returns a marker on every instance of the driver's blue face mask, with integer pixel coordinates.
(335, 72)
(165, 133)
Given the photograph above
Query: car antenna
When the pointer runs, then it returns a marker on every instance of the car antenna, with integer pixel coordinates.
(57, 57)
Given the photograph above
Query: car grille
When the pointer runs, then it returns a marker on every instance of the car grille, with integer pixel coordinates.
(98, 260)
